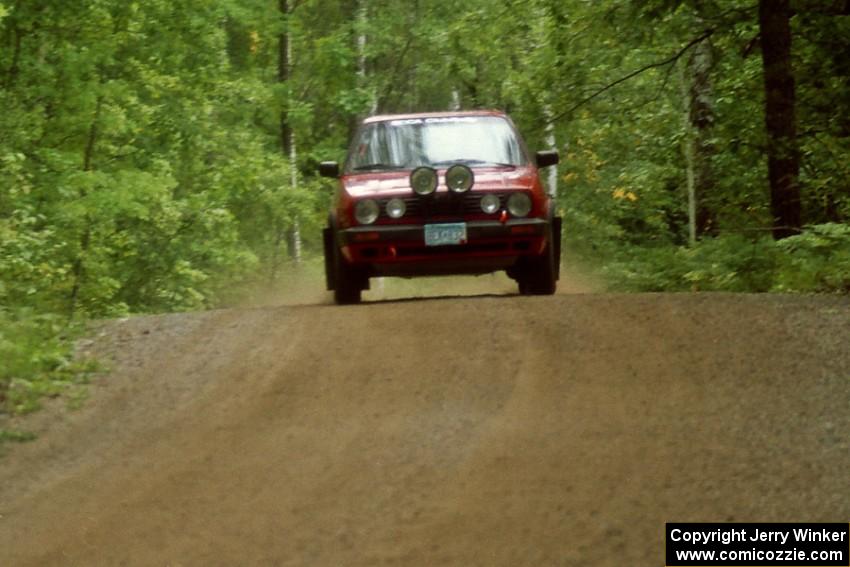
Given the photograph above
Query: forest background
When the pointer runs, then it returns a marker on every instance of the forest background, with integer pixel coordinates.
(160, 156)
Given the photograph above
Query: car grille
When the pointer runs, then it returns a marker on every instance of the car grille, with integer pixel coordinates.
(443, 205)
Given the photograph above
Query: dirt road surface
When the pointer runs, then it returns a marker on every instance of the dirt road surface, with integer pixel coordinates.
(489, 430)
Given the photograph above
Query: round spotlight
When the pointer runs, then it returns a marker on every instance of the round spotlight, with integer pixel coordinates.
(423, 180)
(490, 203)
(459, 178)
(366, 211)
(519, 204)
(395, 208)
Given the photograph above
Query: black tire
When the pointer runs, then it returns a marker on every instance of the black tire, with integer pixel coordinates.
(539, 275)
(348, 282)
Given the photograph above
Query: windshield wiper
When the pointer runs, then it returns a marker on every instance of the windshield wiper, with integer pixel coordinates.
(474, 162)
(374, 166)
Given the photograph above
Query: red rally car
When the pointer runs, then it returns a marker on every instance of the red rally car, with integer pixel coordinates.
(436, 194)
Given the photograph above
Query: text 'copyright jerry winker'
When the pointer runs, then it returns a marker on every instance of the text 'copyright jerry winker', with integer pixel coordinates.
(759, 545)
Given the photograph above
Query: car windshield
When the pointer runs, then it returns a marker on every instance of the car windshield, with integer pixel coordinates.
(436, 142)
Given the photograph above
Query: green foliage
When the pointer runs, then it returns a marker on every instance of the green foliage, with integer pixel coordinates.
(38, 360)
(728, 263)
(816, 261)
(623, 183)
(14, 436)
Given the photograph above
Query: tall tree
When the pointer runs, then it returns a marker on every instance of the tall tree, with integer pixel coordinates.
(702, 116)
(783, 156)
(287, 132)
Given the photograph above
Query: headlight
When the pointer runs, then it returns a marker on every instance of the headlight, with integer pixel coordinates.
(490, 204)
(519, 204)
(423, 180)
(459, 178)
(395, 208)
(366, 211)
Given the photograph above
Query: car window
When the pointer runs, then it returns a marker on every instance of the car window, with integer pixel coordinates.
(436, 142)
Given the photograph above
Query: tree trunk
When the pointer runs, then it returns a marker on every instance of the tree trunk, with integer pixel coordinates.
(783, 158)
(362, 17)
(78, 270)
(287, 134)
(14, 67)
(688, 152)
(701, 116)
(551, 144)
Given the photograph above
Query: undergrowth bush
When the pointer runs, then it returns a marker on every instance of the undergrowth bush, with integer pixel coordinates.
(816, 261)
(38, 360)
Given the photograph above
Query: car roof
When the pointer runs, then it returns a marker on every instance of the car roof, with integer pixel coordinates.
(449, 114)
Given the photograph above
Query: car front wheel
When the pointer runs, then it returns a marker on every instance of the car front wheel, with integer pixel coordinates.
(539, 275)
(348, 281)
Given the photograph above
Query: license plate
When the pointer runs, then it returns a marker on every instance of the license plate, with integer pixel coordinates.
(445, 234)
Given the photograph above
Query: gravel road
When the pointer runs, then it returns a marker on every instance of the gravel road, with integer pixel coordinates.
(490, 430)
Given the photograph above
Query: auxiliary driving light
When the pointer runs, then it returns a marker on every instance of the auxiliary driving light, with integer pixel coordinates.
(395, 208)
(519, 204)
(366, 211)
(423, 180)
(490, 203)
(459, 178)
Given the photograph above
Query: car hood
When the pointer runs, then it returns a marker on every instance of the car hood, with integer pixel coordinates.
(398, 182)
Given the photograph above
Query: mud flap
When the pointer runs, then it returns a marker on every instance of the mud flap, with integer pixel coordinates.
(328, 244)
(556, 237)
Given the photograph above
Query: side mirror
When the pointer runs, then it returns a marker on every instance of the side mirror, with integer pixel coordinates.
(329, 169)
(547, 158)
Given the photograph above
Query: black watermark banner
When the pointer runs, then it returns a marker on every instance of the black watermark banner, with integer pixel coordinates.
(758, 545)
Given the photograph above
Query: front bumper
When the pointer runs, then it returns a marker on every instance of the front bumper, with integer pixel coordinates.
(400, 249)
